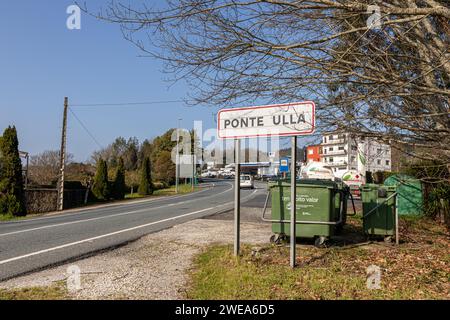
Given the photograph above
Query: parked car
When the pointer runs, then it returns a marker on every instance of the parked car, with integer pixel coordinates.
(246, 181)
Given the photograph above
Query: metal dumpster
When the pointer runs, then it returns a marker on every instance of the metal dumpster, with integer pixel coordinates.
(409, 194)
(321, 208)
(378, 203)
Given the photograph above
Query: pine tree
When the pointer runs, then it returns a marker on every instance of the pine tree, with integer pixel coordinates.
(12, 194)
(100, 189)
(119, 186)
(146, 185)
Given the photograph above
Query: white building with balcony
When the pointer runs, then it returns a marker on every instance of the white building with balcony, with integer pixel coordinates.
(343, 152)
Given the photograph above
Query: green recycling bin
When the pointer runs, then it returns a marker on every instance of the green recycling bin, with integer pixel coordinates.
(378, 203)
(409, 193)
(320, 201)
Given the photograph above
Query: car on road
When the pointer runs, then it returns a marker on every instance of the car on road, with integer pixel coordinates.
(209, 174)
(246, 181)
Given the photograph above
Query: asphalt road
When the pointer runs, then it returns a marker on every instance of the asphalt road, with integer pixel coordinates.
(35, 244)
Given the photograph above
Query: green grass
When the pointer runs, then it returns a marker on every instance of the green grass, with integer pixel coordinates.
(6, 217)
(54, 292)
(415, 270)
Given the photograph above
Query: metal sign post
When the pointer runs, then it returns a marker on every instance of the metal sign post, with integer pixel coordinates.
(237, 196)
(193, 171)
(397, 240)
(177, 159)
(293, 200)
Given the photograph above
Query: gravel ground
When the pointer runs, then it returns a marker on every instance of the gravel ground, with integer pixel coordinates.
(153, 267)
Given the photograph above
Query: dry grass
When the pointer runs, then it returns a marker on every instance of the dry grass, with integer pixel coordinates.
(55, 292)
(417, 269)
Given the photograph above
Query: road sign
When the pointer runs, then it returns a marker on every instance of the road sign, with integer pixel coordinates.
(290, 119)
(284, 165)
(186, 166)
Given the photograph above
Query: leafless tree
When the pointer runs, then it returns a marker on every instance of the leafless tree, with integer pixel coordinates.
(377, 68)
(44, 167)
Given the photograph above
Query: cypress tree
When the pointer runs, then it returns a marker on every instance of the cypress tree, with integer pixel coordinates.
(146, 185)
(100, 189)
(119, 187)
(12, 193)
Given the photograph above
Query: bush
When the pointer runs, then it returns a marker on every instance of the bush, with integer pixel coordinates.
(146, 185)
(101, 189)
(378, 177)
(119, 187)
(159, 185)
(435, 178)
(12, 194)
(9, 205)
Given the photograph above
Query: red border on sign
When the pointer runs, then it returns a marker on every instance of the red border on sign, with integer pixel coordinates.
(269, 106)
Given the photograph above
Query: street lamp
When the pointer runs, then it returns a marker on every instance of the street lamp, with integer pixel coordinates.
(177, 165)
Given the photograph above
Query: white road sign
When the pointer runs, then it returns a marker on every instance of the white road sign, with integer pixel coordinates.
(291, 119)
(186, 166)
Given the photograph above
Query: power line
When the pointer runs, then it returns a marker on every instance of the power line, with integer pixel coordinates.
(85, 128)
(126, 103)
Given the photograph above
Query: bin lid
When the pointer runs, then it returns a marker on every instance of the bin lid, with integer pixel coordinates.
(319, 183)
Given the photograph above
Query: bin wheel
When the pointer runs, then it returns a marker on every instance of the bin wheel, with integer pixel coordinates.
(388, 239)
(320, 242)
(277, 239)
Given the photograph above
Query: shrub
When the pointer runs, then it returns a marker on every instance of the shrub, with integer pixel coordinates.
(435, 178)
(12, 194)
(119, 187)
(101, 188)
(146, 185)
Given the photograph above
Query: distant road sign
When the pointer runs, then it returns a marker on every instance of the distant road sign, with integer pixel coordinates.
(290, 119)
(284, 165)
(186, 166)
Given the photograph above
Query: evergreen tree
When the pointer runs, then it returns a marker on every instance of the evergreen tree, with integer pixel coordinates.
(100, 189)
(12, 194)
(119, 187)
(146, 185)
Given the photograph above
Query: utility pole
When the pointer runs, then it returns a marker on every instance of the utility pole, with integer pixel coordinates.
(62, 160)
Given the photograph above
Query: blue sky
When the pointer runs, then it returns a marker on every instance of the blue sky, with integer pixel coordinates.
(41, 62)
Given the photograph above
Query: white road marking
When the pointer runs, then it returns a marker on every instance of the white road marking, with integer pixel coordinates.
(108, 216)
(81, 211)
(111, 234)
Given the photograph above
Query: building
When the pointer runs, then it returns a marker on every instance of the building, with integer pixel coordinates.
(313, 153)
(344, 151)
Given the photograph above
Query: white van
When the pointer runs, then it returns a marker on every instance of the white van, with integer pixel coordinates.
(246, 181)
